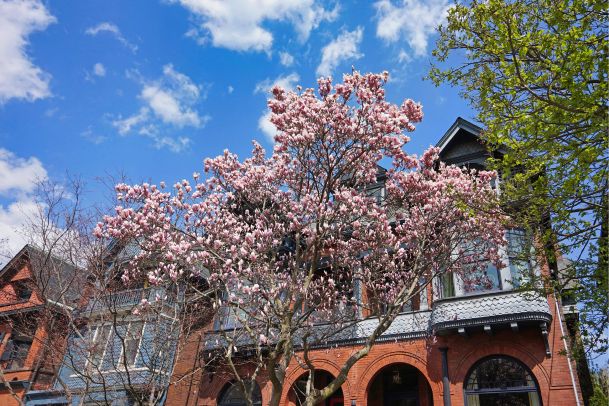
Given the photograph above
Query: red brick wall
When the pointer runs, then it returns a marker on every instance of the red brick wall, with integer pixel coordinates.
(46, 351)
(526, 345)
(186, 377)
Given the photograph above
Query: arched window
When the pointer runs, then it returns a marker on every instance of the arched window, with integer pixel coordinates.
(500, 380)
(232, 395)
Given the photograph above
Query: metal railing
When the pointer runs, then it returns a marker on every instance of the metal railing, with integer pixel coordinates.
(126, 299)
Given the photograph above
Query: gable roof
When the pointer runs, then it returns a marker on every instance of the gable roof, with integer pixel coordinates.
(460, 124)
(54, 278)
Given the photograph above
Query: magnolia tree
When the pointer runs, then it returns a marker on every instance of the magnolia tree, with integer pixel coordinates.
(296, 245)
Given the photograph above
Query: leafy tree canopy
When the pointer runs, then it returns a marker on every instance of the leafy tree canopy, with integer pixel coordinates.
(536, 71)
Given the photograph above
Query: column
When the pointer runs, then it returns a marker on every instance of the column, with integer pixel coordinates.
(445, 379)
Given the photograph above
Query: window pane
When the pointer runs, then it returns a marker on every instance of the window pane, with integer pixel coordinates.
(479, 273)
(15, 354)
(496, 399)
(501, 381)
(480, 281)
(233, 395)
(499, 373)
(447, 285)
(22, 350)
(520, 271)
(517, 242)
(520, 267)
(502, 373)
(99, 345)
(132, 342)
(22, 290)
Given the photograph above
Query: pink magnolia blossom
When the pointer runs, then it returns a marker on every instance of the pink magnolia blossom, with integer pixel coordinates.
(287, 233)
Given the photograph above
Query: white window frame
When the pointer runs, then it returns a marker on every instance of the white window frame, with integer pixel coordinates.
(121, 364)
(98, 329)
(112, 334)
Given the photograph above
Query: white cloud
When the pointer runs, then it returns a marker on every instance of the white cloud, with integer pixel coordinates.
(343, 47)
(92, 137)
(287, 82)
(237, 24)
(19, 77)
(13, 218)
(174, 144)
(230, 89)
(168, 103)
(404, 57)
(417, 20)
(172, 98)
(124, 126)
(18, 175)
(286, 59)
(51, 112)
(99, 69)
(113, 30)
(265, 125)
(167, 107)
(18, 179)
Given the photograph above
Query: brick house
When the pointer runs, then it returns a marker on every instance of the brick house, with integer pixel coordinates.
(118, 356)
(35, 292)
(456, 345)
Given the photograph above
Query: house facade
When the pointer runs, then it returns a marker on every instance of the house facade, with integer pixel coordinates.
(121, 353)
(457, 344)
(35, 292)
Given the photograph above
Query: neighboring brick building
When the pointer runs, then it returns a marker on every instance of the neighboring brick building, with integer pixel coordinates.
(35, 291)
(472, 346)
(119, 356)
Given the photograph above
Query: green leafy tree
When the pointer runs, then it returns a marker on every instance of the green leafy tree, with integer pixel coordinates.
(600, 380)
(536, 72)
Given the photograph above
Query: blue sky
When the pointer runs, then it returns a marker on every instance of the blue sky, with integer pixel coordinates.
(150, 88)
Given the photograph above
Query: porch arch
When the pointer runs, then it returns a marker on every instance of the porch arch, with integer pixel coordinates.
(390, 358)
(321, 364)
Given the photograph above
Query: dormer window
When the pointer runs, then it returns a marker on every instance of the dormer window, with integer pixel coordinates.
(22, 291)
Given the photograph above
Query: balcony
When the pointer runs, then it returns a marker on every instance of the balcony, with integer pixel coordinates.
(446, 316)
(405, 326)
(128, 299)
(502, 307)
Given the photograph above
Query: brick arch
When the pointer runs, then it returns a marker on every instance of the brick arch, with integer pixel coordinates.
(512, 350)
(390, 358)
(320, 364)
(214, 388)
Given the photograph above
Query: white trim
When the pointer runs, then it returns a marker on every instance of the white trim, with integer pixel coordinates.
(121, 365)
(88, 361)
(448, 139)
(63, 306)
(459, 124)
